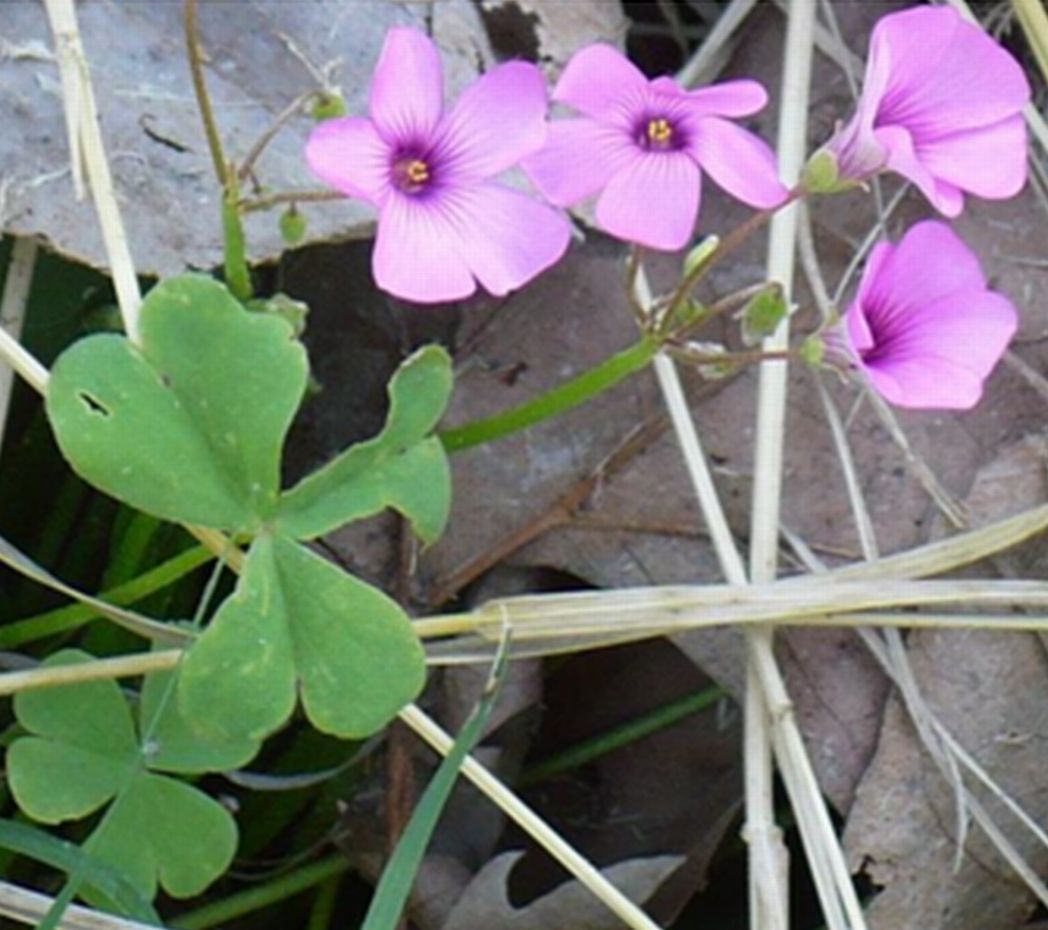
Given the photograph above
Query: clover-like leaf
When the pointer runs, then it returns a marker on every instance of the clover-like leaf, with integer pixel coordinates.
(83, 751)
(296, 621)
(190, 425)
(403, 467)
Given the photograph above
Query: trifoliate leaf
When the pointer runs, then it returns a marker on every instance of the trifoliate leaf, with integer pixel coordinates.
(404, 467)
(190, 426)
(83, 751)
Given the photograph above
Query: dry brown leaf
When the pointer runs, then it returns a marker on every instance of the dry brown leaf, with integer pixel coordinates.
(990, 690)
(485, 902)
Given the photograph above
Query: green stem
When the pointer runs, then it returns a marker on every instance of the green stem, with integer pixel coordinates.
(17, 634)
(323, 908)
(588, 750)
(254, 204)
(238, 277)
(254, 899)
(564, 397)
(207, 113)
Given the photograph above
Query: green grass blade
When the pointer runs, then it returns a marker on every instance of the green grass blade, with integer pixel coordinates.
(399, 874)
(92, 606)
(105, 882)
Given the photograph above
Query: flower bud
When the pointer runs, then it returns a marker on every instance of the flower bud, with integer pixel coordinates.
(762, 314)
(700, 254)
(822, 174)
(812, 351)
(328, 104)
(292, 226)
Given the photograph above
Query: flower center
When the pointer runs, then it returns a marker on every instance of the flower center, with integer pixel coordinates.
(659, 133)
(411, 175)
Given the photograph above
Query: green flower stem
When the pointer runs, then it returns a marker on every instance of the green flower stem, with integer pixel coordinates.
(285, 198)
(564, 397)
(728, 245)
(238, 277)
(196, 70)
(254, 899)
(17, 634)
(588, 750)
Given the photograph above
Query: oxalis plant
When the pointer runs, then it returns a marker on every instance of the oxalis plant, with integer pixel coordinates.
(185, 418)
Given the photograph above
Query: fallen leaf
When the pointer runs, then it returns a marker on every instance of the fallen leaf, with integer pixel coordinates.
(990, 690)
(485, 902)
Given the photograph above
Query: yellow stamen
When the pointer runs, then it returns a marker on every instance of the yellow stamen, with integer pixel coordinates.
(417, 172)
(660, 132)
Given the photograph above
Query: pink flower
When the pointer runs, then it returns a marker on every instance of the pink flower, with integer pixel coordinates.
(642, 145)
(443, 224)
(924, 327)
(942, 106)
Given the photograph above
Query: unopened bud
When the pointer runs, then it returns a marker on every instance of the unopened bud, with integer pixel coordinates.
(700, 254)
(822, 174)
(292, 226)
(328, 105)
(762, 314)
(812, 351)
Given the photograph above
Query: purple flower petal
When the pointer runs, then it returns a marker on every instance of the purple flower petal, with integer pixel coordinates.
(729, 98)
(933, 56)
(880, 255)
(506, 238)
(941, 105)
(349, 155)
(860, 336)
(598, 79)
(654, 200)
(903, 159)
(940, 357)
(929, 263)
(407, 88)
(738, 161)
(414, 257)
(579, 158)
(989, 162)
(919, 386)
(924, 327)
(500, 118)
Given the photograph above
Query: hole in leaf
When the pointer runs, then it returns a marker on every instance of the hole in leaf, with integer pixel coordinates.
(93, 404)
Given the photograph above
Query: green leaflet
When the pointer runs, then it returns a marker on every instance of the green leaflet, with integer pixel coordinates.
(296, 622)
(190, 427)
(403, 467)
(83, 750)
